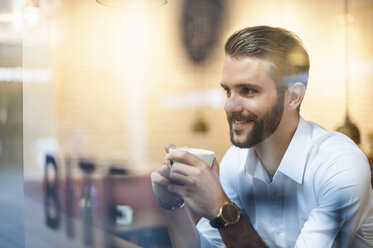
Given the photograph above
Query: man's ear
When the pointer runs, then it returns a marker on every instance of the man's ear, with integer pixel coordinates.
(295, 95)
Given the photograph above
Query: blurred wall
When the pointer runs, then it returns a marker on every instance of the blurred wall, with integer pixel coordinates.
(11, 131)
(123, 86)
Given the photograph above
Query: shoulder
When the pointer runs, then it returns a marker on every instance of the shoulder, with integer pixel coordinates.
(328, 147)
(331, 141)
(334, 160)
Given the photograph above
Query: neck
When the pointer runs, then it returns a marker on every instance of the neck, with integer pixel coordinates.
(271, 151)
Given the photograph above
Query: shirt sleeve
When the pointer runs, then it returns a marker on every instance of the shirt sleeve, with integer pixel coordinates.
(343, 193)
(209, 236)
(231, 164)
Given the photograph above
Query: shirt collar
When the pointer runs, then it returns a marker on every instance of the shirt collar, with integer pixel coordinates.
(251, 162)
(294, 161)
(254, 167)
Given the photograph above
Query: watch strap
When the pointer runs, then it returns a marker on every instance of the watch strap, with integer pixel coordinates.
(217, 223)
(165, 206)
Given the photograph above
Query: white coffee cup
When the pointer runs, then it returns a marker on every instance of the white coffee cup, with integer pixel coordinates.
(205, 155)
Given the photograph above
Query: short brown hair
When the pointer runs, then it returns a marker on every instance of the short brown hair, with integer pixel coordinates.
(284, 49)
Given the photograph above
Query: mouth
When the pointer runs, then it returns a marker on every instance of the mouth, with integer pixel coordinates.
(236, 124)
(239, 122)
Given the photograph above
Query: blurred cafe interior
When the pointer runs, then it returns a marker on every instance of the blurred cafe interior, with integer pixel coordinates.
(92, 90)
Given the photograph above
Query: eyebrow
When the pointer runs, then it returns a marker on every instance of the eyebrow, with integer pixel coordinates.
(223, 85)
(243, 85)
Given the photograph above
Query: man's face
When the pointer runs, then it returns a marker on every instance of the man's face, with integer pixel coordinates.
(253, 107)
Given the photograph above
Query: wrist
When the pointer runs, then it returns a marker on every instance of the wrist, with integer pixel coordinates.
(215, 210)
(229, 214)
(173, 206)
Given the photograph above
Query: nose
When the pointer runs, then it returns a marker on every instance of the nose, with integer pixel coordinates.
(233, 104)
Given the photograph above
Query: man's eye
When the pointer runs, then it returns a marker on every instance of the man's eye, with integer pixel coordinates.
(248, 91)
(227, 92)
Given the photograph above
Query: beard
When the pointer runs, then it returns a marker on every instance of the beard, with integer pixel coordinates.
(262, 128)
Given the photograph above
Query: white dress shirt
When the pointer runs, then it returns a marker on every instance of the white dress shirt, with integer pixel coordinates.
(320, 196)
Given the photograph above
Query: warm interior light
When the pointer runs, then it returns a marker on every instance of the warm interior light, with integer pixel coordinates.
(31, 12)
(348, 128)
(133, 3)
(6, 17)
(31, 15)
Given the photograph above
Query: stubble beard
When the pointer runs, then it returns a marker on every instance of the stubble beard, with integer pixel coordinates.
(262, 127)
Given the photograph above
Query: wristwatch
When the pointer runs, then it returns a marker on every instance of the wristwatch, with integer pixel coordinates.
(163, 205)
(228, 214)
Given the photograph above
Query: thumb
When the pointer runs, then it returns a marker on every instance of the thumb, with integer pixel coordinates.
(168, 146)
(215, 167)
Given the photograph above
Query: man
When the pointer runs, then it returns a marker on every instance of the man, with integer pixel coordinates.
(285, 182)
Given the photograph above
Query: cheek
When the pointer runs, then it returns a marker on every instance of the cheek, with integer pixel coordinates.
(260, 106)
(270, 99)
(255, 106)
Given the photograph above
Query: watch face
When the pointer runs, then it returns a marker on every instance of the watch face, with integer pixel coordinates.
(230, 213)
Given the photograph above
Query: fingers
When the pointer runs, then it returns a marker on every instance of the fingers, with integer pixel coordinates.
(176, 189)
(166, 162)
(186, 175)
(168, 146)
(164, 170)
(159, 179)
(179, 179)
(161, 175)
(186, 157)
(215, 167)
(183, 169)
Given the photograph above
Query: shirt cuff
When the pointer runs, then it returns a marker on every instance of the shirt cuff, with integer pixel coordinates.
(204, 242)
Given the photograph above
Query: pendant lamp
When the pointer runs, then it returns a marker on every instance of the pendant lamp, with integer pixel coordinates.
(133, 4)
(348, 128)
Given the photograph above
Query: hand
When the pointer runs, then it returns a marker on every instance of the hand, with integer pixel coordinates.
(197, 183)
(160, 181)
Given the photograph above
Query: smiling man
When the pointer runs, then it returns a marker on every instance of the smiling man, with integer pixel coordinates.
(249, 128)
(285, 182)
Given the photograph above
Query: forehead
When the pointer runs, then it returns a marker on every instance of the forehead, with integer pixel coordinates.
(247, 70)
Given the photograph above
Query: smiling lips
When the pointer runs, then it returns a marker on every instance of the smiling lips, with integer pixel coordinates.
(239, 121)
(240, 124)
